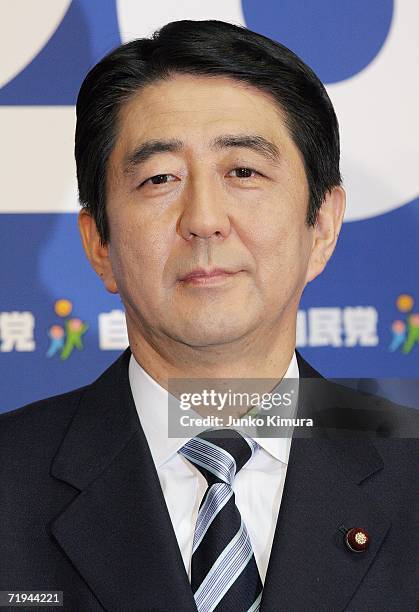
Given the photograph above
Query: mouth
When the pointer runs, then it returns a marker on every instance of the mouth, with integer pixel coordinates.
(208, 277)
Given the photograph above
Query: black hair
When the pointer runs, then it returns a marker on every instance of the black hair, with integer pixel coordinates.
(204, 48)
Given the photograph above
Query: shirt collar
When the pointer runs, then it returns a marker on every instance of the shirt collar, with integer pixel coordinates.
(151, 402)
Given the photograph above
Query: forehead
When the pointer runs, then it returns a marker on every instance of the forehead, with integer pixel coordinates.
(196, 109)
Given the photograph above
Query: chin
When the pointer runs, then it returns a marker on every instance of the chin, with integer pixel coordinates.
(208, 339)
(214, 332)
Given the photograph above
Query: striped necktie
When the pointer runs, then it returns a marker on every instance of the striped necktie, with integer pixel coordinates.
(224, 574)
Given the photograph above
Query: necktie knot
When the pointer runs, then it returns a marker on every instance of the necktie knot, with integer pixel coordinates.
(219, 454)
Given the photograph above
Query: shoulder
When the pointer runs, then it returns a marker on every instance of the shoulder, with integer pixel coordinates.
(59, 407)
(41, 406)
(39, 422)
(342, 410)
(44, 423)
(372, 414)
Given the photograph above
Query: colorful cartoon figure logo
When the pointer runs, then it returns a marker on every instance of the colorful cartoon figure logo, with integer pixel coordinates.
(405, 333)
(65, 339)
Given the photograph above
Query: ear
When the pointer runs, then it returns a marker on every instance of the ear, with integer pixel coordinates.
(326, 231)
(97, 253)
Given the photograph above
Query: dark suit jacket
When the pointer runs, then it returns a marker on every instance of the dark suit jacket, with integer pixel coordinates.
(82, 511)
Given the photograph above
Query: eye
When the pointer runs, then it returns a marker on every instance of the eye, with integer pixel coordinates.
(245, 172)
(161, 179)
(158, 179)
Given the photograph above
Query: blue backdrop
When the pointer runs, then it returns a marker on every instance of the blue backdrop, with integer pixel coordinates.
(59, 328)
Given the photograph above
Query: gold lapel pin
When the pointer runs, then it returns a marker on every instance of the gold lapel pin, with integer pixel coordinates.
(357, 539)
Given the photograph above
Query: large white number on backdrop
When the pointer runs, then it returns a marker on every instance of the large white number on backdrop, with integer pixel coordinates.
(25, 27)
(377, 108)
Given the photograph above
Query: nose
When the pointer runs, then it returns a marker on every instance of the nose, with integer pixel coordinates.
(204, 210)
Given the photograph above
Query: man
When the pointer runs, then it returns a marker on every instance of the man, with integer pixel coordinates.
(208, 170)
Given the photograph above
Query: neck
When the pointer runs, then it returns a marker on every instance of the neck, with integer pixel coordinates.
(263, 353)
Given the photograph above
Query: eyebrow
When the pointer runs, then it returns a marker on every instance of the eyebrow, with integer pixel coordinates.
(254, 142)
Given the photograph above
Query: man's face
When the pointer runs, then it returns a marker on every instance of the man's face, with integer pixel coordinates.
(230, 207)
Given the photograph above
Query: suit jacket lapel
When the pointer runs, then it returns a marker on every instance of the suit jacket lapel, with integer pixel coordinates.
(310, 565)
(117, 531)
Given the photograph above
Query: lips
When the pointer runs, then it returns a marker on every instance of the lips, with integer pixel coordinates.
(201, 273)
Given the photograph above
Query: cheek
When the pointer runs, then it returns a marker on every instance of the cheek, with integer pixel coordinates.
(276, 238)
(279, 244)
(139, 251)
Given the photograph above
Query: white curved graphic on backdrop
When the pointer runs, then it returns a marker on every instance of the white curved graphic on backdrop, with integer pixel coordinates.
(39, 171)
(136, 21)
(379, 122)
(25, 27)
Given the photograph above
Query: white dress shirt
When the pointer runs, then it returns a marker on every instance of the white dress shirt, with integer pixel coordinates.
(258, 485)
